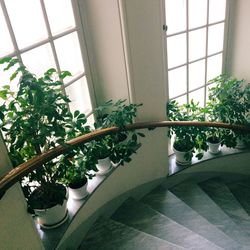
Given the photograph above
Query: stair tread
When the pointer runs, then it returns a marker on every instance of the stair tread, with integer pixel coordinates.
(107, 234)
(219, 192)
(168, 204)
(146, 219)
(241, 190)
(197, 199)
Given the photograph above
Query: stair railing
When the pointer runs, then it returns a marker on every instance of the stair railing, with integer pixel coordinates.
(14, 175)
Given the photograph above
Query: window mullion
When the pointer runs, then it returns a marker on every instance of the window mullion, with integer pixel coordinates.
(50, 36)
(206, 57)
(187, 44)
(11, 31)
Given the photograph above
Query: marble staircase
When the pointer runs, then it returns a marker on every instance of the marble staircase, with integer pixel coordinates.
(208, 215)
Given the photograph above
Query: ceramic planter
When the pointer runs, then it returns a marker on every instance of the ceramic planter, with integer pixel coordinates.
(104, 165)
(78, 192)
(52, 217)
(180, 157)
(213, 148)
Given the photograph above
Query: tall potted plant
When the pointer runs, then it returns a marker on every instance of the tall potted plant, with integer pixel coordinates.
(35, 119)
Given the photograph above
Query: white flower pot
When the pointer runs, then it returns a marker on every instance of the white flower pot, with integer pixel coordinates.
(104, 165)
(214, 148)
(78, 193)
(180, 157)
(52, 217)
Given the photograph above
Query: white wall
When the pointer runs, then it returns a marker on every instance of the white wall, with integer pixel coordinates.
(239, 44)
(17, 230)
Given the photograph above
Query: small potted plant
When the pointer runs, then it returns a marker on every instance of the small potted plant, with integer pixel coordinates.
(186, 139)
(117, 148)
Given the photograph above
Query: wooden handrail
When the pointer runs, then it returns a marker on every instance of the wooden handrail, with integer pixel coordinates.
(14, 175)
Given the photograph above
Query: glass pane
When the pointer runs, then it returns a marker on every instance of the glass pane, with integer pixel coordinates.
(78, 93)
(217, 10)
(177, 50)
(182, 99)
(39, 60)
(27, 20)
(197, 15)
(197, 44)
(69, 53)
(5, 77)
(198, 96)
(175, 15)
(215, 38)
(60, 14)
(196, 74)
(214, 66)
(6, 43)
(91, 121)
(177, 79)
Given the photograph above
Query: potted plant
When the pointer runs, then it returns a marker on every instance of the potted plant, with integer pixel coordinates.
(186, 139)
(117, 148)
(35, 119)
(75, 176)
(229, 102)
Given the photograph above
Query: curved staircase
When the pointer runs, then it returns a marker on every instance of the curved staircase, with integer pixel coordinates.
(212, 215)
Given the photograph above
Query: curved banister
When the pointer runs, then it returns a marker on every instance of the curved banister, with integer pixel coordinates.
(17, 173)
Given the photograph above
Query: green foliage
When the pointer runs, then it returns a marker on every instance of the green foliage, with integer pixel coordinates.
(121, 146)
(186, 137)
(229, 102)
(37, 118)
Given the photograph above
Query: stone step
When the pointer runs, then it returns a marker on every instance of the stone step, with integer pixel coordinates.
(168, 204)
(198, 200)
(107, 234)
(144, 218)
(219, 192)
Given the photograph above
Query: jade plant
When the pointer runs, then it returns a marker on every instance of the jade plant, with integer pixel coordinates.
(35, 119)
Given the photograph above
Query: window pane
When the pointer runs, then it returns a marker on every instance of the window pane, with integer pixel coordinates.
(78, 93)
(197, 44)
(91, 121)
(182, 99)
(177, 80)
(6, 43)
(214, 66)
(215, 38)
(197, 15)
(69, 53)
(217, 10)
(177, 50)
(27, 21)
(39, 60)
(175, 15)
(198, 96)
(196, 74)
(5, 77)
(60, 14)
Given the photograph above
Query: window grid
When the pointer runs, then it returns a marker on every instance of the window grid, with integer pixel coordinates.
(49, 40)
(206, 57)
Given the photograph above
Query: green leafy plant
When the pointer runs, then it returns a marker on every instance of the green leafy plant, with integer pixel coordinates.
(187, 137)
(120, 146)
(229, 102)
(35, 119)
